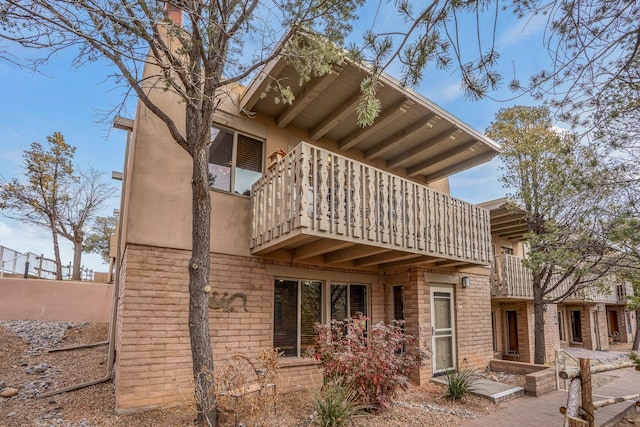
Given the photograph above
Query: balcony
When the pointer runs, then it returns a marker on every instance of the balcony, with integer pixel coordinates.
(510, 279)
(315, 206)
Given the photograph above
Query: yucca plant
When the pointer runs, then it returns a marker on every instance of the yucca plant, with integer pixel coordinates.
(460, 383)
(336, 403)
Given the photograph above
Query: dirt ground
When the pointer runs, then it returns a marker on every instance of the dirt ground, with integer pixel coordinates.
(34, 373)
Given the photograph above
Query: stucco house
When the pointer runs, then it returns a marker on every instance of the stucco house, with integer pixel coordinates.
(314, 218)
(590, 319)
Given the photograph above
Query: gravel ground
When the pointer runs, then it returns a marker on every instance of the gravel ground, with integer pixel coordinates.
(26, 366)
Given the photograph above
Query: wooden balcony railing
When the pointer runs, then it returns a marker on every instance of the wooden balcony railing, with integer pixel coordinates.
(510, 278)
(322, 194)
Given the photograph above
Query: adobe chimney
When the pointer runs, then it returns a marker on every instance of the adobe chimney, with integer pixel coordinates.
(175, 13)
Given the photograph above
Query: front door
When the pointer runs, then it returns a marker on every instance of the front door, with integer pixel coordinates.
(442, 330)
(512, 332)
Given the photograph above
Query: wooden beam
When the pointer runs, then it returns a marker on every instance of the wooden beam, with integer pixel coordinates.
(352, 253)
(394, 141)
(318, 248)
(256, 88)
(307, 95)
(390, 114)
(510, 218)
(421, 167)
(508, 226)
(418, 259)
(574, 372)
(586, 391)
(450, 263)
(336, 117)
(401, 159)
(382, 258)
(613, 400)
(458, 167)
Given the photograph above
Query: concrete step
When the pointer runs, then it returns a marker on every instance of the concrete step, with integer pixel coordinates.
(494, 391)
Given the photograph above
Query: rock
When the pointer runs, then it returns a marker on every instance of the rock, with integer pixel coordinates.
(11, 414)
(41, 367)
(9, 392)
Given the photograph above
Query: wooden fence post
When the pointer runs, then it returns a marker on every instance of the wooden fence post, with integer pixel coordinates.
(586, 390)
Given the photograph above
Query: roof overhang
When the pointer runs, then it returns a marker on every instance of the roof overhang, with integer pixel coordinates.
(507, 220)
(412, 135)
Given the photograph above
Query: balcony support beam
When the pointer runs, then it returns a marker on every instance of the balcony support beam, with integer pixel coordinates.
(448, 134)
(394, 141)
(418, 259)
(423, 166)
(318, 248)
(353, 253)
(383, 258)
(392, 113)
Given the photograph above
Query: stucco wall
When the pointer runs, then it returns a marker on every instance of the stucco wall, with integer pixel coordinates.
(159, 179)
(51, 300)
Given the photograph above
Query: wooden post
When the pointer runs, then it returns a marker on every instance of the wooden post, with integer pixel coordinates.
(577, 422)
(586, 390)
(572, 410)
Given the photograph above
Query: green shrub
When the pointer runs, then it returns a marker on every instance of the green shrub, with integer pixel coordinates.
(635, 358)
(460, 383)
(375, 361)
(336, 403)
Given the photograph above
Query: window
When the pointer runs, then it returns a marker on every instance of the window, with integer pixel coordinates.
(506, 250)
(299, 304)
(235, 161)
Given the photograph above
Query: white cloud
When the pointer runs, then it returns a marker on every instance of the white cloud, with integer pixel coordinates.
(520, 31)
(446, 93)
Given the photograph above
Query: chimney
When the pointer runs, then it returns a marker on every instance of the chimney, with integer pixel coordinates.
(175, 13)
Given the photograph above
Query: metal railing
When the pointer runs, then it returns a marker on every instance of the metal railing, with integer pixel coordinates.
(561, 365)
(29, 264)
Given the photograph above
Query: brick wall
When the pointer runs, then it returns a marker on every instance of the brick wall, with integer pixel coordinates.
(473, 322)
(153, 364)
(551, 332)
(603, 329)
(625, 337)
(153, 367)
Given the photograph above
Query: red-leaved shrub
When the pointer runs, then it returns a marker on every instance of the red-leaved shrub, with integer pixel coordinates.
(375, 362)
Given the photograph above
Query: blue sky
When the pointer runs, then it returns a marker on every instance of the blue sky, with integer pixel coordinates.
(75, 102)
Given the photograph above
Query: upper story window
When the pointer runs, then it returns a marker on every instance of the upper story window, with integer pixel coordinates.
(235, 161)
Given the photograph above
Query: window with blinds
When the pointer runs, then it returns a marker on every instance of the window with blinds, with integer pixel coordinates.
(300, 304)
(235, 161)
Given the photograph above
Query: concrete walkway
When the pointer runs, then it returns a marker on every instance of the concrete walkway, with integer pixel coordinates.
(544, 411)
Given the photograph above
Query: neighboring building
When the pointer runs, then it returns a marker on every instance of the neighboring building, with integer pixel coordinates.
(314, 218)
(588, 319)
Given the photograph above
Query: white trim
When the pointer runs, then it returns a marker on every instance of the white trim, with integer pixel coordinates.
(450, 291)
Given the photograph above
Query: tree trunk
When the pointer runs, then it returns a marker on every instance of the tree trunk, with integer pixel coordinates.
(56, 253)
(636, 339)
(77, 259)
(199, 265)
(539, 353)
